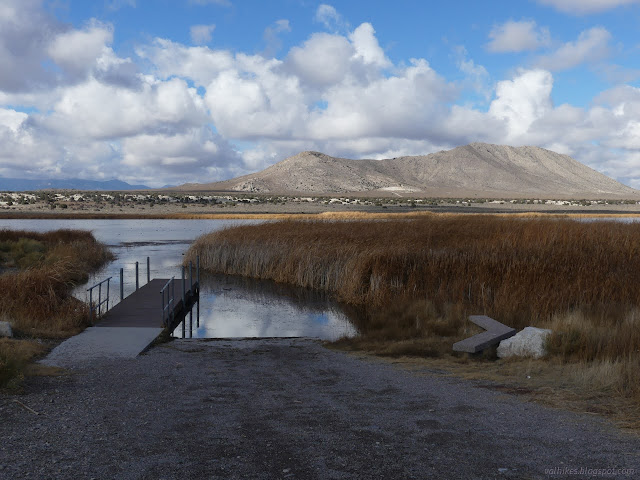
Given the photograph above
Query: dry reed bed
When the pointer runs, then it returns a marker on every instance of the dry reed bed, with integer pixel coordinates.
(417, 279)
(37, 300)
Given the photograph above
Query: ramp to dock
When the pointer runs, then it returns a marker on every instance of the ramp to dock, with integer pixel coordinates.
(125, 331)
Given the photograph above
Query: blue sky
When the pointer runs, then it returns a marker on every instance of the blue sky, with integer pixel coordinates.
(168, 91)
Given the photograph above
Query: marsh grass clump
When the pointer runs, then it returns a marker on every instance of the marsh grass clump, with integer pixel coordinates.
(38, 273)
(40, 270)
(417, 279)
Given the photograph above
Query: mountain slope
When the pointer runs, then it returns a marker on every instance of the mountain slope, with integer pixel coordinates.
(477, 169)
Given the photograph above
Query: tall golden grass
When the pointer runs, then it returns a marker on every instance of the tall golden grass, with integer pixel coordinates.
(36, 298)
(419, 278)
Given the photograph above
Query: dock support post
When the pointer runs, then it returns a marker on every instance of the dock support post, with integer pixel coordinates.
(183, 287)
(162, 298)
(137, 280)
(148, 270)
(198, 302)
(121, 284)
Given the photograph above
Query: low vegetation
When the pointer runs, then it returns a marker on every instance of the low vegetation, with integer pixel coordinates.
(150, 204)
(414, 281)
(38, 273)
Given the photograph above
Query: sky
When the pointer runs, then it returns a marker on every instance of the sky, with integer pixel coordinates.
(163, 92)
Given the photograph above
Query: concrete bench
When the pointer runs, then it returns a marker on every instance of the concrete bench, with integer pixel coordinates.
(495, 333)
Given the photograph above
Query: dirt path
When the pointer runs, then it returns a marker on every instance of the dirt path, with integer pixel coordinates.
(268, 409)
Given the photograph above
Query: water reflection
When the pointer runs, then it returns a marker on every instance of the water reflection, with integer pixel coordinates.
(232, 307)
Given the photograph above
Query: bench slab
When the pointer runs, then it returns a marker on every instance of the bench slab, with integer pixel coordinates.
(495, 333)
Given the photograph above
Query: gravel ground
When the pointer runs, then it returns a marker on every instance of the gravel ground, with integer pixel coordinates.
(270, 409)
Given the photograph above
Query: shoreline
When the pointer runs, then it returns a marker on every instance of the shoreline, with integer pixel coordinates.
(310, 212)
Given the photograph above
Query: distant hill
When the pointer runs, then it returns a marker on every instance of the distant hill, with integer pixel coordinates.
(478, 169)
(22, 185)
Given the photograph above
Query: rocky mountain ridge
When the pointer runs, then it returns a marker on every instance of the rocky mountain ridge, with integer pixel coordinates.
(478, 169)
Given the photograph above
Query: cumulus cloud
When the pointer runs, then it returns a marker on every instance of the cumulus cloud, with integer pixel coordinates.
(513, 36)
(586, 6)
(201, 34)
(366, 46)
(270, 103)
(591, 46)
(200, 64)
(99, 111)
(322, 60)
(197, 147)
(523, 100)
(25, 29)
(76, 51)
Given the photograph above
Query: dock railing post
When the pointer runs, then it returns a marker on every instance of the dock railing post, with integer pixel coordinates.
(137, 280)
(108, 280)
(148, 270)
(190, 276)
(121, 284)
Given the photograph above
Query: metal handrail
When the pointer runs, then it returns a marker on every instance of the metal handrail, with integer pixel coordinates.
(167, 310)
(98, 306)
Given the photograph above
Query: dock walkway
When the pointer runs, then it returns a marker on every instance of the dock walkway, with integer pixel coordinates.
(128, 329)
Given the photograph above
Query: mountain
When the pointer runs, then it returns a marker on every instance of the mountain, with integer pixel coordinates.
(22, 185)
(478, 169)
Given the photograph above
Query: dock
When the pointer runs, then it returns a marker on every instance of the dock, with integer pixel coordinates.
(132, 325)
(144, 309)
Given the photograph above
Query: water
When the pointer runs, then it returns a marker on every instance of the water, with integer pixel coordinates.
(229, 306)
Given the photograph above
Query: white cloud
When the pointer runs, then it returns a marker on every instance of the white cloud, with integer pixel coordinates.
(76, 51)
(330, 18)
(520, 36)
(12, 120)
(269, 102)
(586, 6)
(523, 100)
(201, 34)
(200, 64)
(404, 105)
(367, 48)
(591, 46)
(99, 111)
(322, 60)
(25, 29)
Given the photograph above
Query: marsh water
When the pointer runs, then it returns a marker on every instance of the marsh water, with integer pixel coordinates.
(229, 306)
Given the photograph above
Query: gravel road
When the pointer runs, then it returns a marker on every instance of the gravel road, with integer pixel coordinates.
(271, 409)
